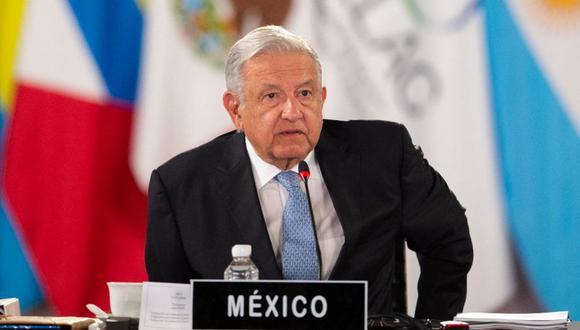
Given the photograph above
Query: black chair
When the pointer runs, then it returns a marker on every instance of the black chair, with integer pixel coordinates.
(398, 318)
(399, 285)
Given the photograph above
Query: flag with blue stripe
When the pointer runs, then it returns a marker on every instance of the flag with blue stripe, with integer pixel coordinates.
(539, 151)
(17, 278)
(66, 179)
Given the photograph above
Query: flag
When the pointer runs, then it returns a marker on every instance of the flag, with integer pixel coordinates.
(423, 64)
(182, 81)
(533, 49)
(66, 178)
(416, 62)
(18, 279)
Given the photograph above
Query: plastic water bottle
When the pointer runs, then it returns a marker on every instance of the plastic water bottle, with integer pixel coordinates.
(241, 267)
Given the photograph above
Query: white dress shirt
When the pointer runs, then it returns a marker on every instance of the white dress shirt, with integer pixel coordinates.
(273, 197)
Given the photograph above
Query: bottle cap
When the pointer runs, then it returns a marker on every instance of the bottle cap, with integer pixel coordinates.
(241, 250)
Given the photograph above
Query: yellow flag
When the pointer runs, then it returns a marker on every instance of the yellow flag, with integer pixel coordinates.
(10, 21)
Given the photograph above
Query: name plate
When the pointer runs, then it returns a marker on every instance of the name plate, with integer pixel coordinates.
(279, 304)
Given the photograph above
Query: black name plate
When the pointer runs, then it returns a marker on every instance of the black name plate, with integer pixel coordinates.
(279, 304)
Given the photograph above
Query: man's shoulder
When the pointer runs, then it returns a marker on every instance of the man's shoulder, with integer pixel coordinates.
(364, 131)
(200, 159)
(367, 127)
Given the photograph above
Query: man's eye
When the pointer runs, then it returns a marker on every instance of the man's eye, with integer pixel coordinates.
(270, 95)
(305, 93)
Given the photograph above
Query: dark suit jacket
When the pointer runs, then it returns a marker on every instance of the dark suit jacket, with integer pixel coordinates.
(204, 201)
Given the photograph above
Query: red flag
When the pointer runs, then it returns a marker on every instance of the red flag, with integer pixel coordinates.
(66, 174)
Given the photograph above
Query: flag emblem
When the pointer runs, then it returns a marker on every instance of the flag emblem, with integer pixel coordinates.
(209, 27)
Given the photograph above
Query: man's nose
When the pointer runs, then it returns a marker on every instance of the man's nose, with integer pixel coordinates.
(291, 109)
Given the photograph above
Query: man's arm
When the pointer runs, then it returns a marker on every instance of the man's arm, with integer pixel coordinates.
(164, 254)
(436, 229)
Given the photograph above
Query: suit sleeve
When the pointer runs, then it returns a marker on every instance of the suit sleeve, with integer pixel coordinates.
(165, 257)
(436, 228)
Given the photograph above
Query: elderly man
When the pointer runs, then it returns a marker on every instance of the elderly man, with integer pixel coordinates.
(369, 186)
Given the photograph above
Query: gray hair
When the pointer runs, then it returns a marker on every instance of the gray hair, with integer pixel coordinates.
(265, 39)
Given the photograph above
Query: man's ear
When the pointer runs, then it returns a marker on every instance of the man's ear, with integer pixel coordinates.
(232, 105)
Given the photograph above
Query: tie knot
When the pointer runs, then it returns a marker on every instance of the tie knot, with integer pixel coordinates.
(288, 179)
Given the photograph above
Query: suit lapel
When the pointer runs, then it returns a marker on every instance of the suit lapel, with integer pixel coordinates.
(238, 190)
(341, 172)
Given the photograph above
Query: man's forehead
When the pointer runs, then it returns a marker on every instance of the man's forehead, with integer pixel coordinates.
(272, 69)
(280, 61)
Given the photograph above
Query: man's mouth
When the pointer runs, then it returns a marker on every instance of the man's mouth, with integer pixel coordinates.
(290, 132)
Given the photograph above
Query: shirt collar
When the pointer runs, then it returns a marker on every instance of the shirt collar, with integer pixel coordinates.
(264, 172)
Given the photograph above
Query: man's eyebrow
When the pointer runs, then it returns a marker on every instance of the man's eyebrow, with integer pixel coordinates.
(307, 82)
(266, 86)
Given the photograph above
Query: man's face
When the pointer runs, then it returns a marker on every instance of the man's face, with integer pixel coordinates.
(282, 110)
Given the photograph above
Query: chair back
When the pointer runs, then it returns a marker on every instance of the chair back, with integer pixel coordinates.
(399, 285)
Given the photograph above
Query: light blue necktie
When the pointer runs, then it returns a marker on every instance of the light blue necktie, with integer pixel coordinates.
(299, 256)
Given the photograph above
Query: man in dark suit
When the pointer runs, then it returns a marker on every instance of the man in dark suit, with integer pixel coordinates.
(369, 186)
